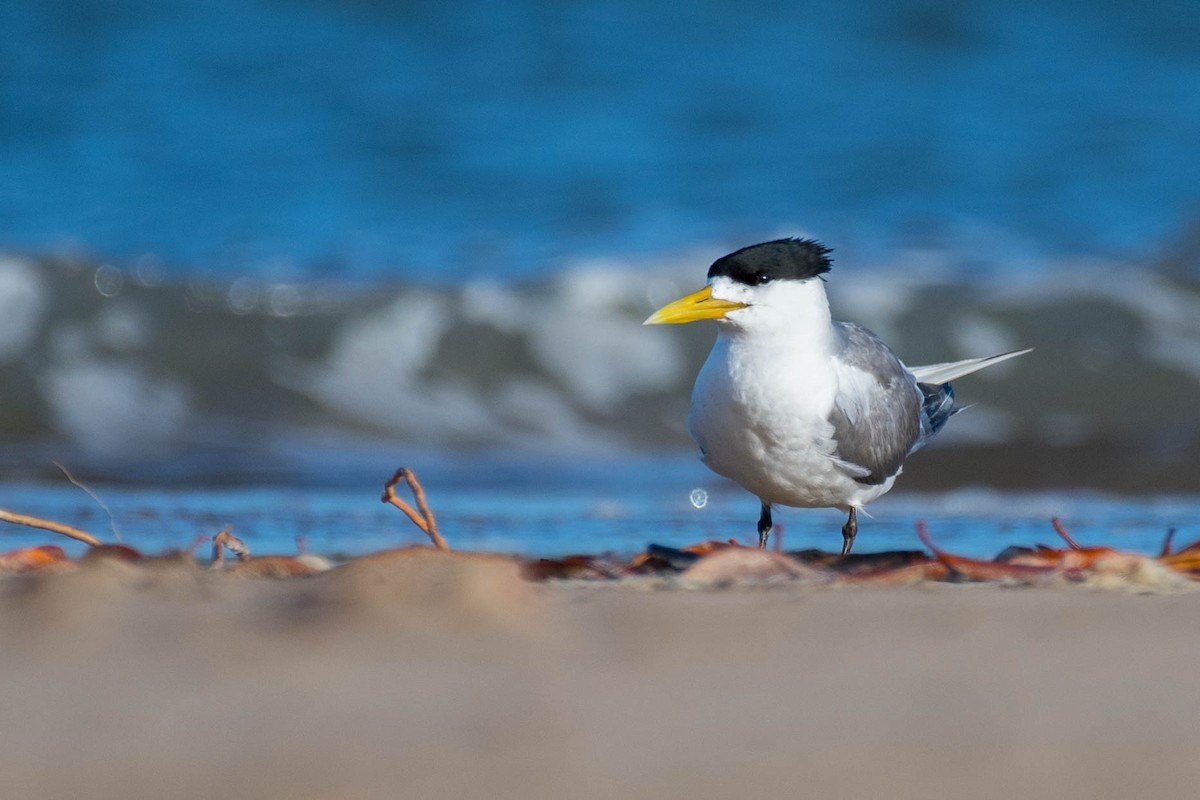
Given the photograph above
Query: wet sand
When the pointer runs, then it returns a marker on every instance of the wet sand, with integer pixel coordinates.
(427, 676)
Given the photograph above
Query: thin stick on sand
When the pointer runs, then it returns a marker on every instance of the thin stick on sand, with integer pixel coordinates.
(424, 520)
(1062, 531)
(1166, 545)
(47, 525)
(112, 521)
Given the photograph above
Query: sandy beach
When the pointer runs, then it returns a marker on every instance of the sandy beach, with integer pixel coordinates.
(426, 675)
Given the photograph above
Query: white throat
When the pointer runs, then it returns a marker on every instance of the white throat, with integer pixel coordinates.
(791, 314)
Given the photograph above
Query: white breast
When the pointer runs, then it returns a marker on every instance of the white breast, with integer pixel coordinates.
(760, 413)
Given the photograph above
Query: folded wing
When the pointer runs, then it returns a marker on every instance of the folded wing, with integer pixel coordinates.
(876, 415)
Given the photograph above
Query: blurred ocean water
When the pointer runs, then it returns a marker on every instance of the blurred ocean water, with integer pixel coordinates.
(297, 244)
(253, 380)
(436, 141)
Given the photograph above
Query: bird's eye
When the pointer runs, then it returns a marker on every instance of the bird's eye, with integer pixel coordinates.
(761, 278)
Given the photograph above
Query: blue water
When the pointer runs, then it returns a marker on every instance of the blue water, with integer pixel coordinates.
(440, 140)
(616, 506)
(434, 142)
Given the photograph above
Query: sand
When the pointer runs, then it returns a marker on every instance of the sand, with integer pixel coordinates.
(425, 676)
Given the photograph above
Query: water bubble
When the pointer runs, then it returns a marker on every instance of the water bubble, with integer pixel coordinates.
(243, 295)
(108, 280)
(284, 300)
(148, 270)
(699, 498)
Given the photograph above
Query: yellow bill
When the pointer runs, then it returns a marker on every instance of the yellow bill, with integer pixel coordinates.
(700, 305)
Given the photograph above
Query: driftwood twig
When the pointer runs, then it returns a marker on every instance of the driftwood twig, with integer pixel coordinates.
(225, 538)
(112, 521)
(48, 525)
(423, 520)
(1062, 531)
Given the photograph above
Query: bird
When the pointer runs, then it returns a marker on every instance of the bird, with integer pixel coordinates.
(799, 409)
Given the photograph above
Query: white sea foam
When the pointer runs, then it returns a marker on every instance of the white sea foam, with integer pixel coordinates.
(496, 304)
(590, 340)
(123, 325)
(22, 304)
(583, 352)
(374, 374)
(975, 335)
(536, 409)
(565, 361)
(115, 407)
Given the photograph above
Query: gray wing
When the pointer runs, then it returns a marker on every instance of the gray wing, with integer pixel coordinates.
(876, 415)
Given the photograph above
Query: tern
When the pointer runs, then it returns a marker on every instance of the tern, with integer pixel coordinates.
(797, 408)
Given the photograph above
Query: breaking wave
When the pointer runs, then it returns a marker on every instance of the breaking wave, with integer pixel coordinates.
(112, 361)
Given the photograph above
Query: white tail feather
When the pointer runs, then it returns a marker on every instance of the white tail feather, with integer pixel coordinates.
(952, 370)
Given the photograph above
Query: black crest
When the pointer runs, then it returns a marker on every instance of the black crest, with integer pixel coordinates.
(782, 259)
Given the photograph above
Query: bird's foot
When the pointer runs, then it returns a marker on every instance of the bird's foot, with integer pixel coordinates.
(849, 531)
(764, 526)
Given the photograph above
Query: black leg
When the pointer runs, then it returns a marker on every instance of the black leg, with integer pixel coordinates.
(848, 531)
(764, 526)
